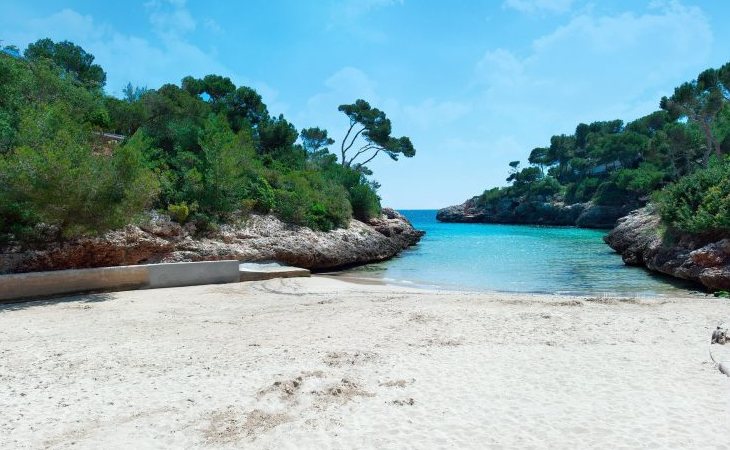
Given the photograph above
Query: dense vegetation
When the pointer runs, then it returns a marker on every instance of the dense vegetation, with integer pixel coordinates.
(205, 151)
(676, 154)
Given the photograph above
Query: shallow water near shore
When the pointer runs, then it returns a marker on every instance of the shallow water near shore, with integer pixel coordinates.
(515, 258)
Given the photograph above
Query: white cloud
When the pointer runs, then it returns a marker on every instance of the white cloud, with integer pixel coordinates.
(212, 25)
(500, 67)
(533, 6)
(73, 25)
(351, 80)
(170, 17)
(597, 67)
(349, 84)
(344, 86)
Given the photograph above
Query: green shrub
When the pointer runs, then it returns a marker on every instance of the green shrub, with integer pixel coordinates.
(224, 170)
(365, 202)
(547, 186)
(179, 213)
(7, 131)
(699, 202)
(290, 206)
(490, 197)
(609, 194)
(318, 218)
(643, 180)
(63, 183)
(582, 191)
(306, 198)
(17, 217)
(260, 196)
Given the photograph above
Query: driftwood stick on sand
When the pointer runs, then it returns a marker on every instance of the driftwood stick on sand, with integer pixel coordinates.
(720, 337)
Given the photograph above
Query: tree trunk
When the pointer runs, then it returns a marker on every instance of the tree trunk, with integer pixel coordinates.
(711, 142)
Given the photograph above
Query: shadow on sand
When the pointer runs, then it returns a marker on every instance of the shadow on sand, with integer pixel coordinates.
(89, 297)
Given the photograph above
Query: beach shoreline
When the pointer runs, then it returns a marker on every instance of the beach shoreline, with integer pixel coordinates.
(319, 362)
(349, 276)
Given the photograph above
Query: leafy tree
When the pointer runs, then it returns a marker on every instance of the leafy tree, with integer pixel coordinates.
(581, 135)
(561, 150)
(513, 171)
(224, 167)
(133, 93)
(700, 101)
(370, 127)
(276, 135)
(315, 139)
(245, 108)
(582, 190)
(651, 124)
(11, 50)
(173, 119)
(545, 187)
(125, 117)
(315, 142)
(643, 180)
(61, 182)
(625, 148)
(610, 194)
(540, 156)
(678, 147)
(215, 87)
(73, 59)
(527, 176)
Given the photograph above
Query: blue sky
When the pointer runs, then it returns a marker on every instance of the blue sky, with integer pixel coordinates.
(474, 84)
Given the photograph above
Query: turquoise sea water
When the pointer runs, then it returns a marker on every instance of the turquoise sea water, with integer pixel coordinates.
(515, 258)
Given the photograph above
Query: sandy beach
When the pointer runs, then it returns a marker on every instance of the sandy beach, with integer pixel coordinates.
(322, 363)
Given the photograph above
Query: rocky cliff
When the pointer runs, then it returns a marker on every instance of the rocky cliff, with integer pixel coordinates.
(535, 212)
(640, 241)
(259, 238)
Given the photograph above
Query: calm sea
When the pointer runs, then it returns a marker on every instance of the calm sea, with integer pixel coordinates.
(515, 258)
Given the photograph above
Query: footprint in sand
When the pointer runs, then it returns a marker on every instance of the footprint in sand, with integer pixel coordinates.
(344, 359)
(229, 425)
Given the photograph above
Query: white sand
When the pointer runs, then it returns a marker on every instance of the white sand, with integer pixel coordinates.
(319, 363)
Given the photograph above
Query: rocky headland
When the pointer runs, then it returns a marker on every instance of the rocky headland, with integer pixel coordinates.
(258, 238)
(641, 241)
(536, 212)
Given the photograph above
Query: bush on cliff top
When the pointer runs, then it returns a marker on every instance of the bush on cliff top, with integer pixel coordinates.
(699, 202)
(62, 182)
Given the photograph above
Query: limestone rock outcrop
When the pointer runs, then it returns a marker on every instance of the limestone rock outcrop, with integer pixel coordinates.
(259, 238)
(703, 259)
(535, 212)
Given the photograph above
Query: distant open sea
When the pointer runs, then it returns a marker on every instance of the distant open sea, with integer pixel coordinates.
(515, 258)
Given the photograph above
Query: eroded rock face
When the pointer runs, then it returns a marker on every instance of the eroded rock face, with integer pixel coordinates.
(467, 212)
(703, 259)
(261, 238)
(535, 212)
